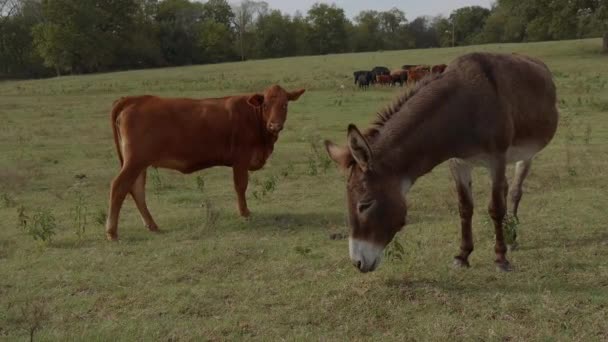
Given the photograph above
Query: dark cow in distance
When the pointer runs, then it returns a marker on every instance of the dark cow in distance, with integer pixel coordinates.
(356, 74)
(188, 135)
(380, 70)
(367, 75)
(364, 80)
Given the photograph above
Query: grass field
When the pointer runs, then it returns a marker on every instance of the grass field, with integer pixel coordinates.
(214, 276)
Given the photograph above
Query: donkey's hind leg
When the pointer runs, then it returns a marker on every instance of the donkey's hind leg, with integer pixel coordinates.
(522, 169)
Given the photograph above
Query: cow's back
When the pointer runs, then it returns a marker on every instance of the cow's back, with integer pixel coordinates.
(187, 134)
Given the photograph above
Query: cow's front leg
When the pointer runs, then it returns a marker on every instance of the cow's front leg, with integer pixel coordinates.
(241, 179)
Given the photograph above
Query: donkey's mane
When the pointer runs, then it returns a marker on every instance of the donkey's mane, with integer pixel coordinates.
(385, 115)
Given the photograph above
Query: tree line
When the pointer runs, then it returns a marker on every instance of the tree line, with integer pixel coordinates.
(54, 37)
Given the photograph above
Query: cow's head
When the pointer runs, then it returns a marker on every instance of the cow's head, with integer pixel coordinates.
(274, 106)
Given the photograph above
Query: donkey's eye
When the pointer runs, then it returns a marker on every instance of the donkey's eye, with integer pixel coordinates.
(363, 206)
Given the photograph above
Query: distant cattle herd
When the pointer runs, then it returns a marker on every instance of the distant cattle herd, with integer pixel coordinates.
(384, 76)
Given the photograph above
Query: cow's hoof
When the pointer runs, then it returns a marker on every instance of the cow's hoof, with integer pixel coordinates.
(246, 214)
(112, 236)
(153, 228)
(459, 263)
(504, 266)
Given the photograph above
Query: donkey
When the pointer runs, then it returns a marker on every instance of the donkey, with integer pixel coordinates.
(485, 109)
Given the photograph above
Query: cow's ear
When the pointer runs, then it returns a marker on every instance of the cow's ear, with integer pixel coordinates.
(294, 95)
(339, 154)
(256, 100)
(359, 148)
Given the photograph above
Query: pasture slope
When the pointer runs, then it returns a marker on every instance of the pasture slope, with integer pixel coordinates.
(212, 275)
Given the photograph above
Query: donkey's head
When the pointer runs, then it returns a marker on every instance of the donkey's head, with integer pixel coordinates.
(376, 206)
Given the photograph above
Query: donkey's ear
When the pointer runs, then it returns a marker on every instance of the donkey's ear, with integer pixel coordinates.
(256, 100)
(359, 148)
(339, 154)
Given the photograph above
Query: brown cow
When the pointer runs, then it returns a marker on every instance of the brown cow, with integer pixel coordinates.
(416, 74)
(399, 76)
(438, 69)
(384, 79)
(188, 135)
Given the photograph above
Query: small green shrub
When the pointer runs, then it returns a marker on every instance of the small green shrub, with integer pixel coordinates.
(40, 226)
(79, 214)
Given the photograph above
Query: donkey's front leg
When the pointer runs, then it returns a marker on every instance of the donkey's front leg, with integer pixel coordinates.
(497, 210)
(461, 172)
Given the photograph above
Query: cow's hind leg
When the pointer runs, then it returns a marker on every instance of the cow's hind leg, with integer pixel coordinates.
(461, 171)
(138, 191)
(497, 210)
(121, 185)
(522, 169)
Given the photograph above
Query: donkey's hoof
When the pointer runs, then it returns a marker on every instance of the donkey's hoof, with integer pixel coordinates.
(503, 266)
(459, 263)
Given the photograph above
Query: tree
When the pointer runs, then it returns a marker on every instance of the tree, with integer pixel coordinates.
(393, 26)
(245, 16)
(274, 36)
(468, 23)
(215, 32)
(423, 32)
(328, 26)
(367, 34)
(82, 35)
(18, 57)
(179, 26)
(301, 32)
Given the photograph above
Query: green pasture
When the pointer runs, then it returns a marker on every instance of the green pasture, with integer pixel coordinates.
(285, 274)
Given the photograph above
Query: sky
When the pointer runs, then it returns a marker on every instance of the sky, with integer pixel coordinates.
(412, 8)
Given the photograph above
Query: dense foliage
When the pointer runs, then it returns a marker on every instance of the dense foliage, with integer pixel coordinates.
(46, 37)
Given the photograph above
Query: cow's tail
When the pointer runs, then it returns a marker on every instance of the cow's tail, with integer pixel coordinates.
(117, 108)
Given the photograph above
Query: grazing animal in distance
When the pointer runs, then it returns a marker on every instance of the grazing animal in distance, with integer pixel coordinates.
(384, 79)
(363, 81)
(408, 66)
(399, 76)
(356, 74)
(416, 74)
(438, 69)
(189, 135)
(485, 109)
(379, 70)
